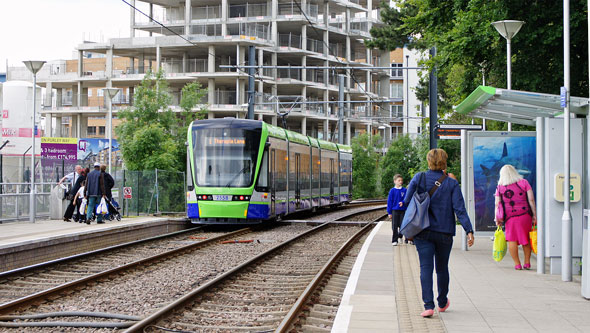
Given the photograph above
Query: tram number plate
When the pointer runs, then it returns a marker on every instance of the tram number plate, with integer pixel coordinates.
(217, 197)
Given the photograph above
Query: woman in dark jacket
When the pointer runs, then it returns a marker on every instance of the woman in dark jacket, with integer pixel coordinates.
(434, 243)
(106, 182)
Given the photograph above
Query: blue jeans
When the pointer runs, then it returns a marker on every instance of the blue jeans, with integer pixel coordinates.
(434, 249)
(92, 203)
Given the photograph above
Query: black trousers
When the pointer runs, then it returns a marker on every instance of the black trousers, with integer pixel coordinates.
(397, 217)
(70, 210)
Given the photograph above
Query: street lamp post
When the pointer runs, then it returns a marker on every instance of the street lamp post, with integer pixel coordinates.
(33, 66)
(111, 93)
(508, 29)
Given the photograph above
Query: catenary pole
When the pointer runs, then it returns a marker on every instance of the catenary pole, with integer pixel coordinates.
(341, 109)
(251, 88)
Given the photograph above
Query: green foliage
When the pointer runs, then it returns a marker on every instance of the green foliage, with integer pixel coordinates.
(401, 157)
(365, 166)
(469, 47)
(151, 136)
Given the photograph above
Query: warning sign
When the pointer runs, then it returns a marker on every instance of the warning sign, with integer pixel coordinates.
(127, 193)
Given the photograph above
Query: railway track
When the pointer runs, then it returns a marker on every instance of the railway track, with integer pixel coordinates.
(84, 280)
(267, 293)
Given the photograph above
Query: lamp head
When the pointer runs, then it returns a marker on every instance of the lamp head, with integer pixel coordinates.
(34, 65)
(111, 92)
(508, 28)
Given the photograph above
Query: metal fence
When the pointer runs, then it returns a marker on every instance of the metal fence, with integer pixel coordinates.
(153, 191)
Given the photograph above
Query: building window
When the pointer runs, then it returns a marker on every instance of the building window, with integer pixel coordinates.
(397, 111)
(91, 130)
(101, 130)
(397, 90)
(100, 92)
(395, 72)
(89, 92)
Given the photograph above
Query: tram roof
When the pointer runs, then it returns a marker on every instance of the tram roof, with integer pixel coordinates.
(520, 107)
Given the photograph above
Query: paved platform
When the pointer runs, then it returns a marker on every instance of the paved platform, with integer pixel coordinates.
(383, 293)
(25, 243)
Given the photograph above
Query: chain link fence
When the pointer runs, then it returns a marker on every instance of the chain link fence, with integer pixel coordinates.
(153, 191)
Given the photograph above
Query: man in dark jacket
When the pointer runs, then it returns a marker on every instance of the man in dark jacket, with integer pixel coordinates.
(93, 193)
(72, 205)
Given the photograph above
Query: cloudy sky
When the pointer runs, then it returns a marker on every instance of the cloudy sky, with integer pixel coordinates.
(51, 29)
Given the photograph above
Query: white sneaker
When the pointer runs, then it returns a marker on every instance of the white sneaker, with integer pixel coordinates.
(394, 243)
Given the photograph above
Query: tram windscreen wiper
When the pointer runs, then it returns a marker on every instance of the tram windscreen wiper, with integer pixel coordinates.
(246, 167)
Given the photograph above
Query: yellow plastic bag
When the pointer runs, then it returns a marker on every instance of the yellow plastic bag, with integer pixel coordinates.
(533, 239)
(499, 249)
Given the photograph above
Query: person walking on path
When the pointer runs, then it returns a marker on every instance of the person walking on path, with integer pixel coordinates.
(515, 207)
(434, 243)
(396, 208)
(79, 177)
(93, 193)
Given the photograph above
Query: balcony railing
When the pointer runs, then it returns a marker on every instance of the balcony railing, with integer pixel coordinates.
(192, 66)
(315, 45)
(248, 10)
(206, 29)
(258, 30)
(292, 8)
(337, 50)
(290, 40)
(206, 13)
(289, 73)
(315, 75)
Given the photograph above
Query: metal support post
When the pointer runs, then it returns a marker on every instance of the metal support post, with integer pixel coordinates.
(540, 195)
(32, 208)
(566, 219)
(433, 100)
(157, 193)
(251, 84)
(341, 109)
(464, 182)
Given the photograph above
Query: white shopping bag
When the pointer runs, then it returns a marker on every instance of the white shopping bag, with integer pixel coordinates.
(83, 207)
(102, 207)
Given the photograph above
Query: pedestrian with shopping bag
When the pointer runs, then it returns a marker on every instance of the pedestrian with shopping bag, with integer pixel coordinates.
(93, 193)
(515, 208)
(436, 198)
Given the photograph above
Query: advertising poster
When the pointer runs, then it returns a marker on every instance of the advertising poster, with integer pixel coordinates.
(95, 149)
(490, 154)
(59, 148)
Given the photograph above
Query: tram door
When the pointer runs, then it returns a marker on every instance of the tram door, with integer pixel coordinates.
(273, 183)
(297, 181)
(332, 176)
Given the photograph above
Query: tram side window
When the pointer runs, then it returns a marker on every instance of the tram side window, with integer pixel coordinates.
(262, 184)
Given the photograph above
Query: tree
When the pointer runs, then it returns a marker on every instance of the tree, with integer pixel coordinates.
(151, 136)
(401, 158)
(365, 166)
(468, 47)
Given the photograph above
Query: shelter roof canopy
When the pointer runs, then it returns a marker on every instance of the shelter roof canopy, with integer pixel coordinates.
(521, 107)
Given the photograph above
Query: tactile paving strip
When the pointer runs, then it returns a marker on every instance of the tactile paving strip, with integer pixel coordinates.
(408, 293)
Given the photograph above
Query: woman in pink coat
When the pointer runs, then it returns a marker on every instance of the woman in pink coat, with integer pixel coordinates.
(515, 207)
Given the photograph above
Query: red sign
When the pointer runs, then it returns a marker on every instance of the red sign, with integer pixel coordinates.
(5, 114)
(127, 193)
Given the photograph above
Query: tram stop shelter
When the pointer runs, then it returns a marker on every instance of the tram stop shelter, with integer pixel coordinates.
(545, 113)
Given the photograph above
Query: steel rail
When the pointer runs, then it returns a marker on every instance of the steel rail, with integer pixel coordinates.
(294, 313)
(12, 305)
(170, 308)
(24, 269)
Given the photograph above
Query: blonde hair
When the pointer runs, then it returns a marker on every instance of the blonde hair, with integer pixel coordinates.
(437, 159)
(508, 175)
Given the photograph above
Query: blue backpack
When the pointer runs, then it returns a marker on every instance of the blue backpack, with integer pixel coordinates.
(416, 218)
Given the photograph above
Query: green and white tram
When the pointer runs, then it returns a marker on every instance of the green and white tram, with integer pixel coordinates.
(246, 171)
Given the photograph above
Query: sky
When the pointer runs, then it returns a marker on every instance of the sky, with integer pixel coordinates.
(51, 29)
